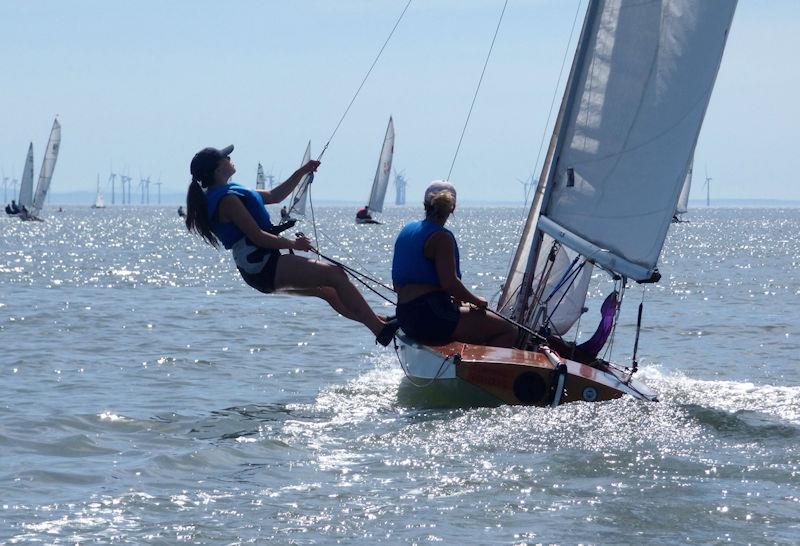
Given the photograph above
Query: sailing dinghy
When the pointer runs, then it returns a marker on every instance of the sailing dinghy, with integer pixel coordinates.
(99, 201)
(45, 173)
(381, 181)
(299, 198)
(683, 201)
(622, 144)
(25, 200)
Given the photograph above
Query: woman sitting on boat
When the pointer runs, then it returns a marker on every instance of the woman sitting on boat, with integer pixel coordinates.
(221, 211)
(427, 277)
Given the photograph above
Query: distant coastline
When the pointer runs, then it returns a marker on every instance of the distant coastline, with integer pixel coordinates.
(175, 199)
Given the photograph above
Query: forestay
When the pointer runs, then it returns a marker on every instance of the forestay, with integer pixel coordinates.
(48, 166)
(381, 181)
(629, 121)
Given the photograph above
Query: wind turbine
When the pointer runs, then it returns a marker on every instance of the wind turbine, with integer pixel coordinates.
(111, 179)
(708, 188)
(400, 184)
(158, 185)
(527, 185)
(125, 179)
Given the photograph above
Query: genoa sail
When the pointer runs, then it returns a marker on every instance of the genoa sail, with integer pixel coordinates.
(48, 166)
(381, 182)
(621, 149)
(301, 190)
(260, 180)
(26, 186)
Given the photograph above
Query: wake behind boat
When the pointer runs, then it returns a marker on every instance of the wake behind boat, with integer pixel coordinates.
(618, 159)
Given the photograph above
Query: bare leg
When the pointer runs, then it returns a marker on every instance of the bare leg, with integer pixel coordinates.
(329, 295)
(480, 328)
(295, 272)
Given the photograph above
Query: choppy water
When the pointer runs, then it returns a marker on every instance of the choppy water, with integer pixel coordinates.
(149, 396)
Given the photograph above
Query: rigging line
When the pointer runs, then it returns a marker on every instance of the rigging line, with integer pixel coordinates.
(356, 275)
(547, 123)
(475, 96)
(378, 56)
(515, 323)
(311, 204)
(350, 256)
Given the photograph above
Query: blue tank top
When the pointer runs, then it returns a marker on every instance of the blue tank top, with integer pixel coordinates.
(409, 265)
(228, 233)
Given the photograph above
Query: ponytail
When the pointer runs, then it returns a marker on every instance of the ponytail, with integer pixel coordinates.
(440, 205)
(197, 213)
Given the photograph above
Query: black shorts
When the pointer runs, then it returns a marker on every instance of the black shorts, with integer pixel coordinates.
(264, 280)
(430, 319)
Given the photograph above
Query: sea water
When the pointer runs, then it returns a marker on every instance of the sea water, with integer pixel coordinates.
(150, 396)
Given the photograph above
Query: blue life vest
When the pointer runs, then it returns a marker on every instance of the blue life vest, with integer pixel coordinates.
(409, 265)
(228, 233)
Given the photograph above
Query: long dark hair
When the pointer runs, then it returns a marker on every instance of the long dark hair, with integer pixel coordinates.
(197, 211)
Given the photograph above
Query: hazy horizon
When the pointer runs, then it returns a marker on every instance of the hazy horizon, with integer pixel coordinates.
(142, 86)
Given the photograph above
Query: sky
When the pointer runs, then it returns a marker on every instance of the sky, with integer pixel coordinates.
(141, 86)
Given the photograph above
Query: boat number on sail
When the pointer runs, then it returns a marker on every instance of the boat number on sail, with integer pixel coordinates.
(589, 394)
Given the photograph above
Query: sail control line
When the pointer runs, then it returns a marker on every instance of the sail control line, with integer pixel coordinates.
(344, 114)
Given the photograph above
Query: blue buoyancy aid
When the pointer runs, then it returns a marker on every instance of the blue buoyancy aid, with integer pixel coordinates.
(248, 256)
(409, 265)
(228, 233)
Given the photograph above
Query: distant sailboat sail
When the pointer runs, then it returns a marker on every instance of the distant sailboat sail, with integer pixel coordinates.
(381, 181)
(48, 166)
(683, 201)
(99, 201)
(26, 186)
(260, 180)
(620, 152)
(299, 199)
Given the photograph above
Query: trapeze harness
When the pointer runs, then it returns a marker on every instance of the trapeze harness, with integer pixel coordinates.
(431, 318)
(256, 265)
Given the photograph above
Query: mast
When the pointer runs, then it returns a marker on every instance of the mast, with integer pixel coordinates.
(530, 253)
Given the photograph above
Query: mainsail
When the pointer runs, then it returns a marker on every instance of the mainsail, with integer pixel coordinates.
(381, 181)
(26, 186)
(301, 190)
(260, 185)
(632, 110)
(46, 172)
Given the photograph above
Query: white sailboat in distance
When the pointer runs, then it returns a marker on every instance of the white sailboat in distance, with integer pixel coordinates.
(633, 106)
(380, 183)
(683, 200)
(301, 190)
(99, 201)
(46, 172)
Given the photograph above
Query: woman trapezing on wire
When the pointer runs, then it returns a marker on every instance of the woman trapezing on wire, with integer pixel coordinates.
(221, 211)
